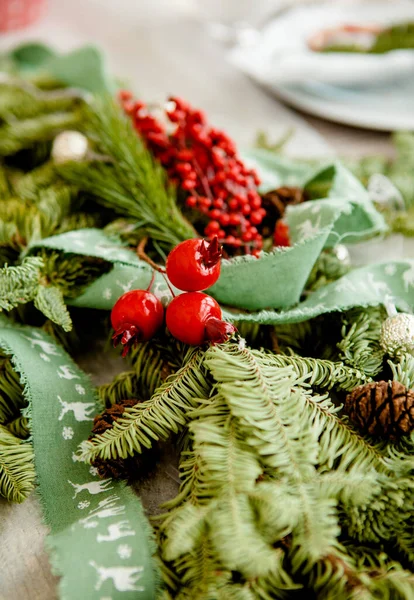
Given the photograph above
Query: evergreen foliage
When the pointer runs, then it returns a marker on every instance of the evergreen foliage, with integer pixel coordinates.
(280, 496)
(17, 474)
(166, 412)
(360, 346)
(129, 182)
(19, 284)
(49, 300)
(272, 476)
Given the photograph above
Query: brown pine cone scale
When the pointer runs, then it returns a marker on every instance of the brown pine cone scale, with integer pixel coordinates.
(382, 409)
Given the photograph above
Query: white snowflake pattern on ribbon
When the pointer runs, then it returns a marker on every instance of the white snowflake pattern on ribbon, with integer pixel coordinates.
(80, 389)
(67, 433)
(307, 229)
(124, 551)
(107, 293)
(93, 471)
(44, 357)
(84, 504)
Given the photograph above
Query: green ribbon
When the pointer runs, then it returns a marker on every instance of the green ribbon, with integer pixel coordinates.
(83, 68)
(100, 540)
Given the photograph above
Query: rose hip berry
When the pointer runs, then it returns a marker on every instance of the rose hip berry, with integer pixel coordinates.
(136, 317)
(194, 265)
(195, 318)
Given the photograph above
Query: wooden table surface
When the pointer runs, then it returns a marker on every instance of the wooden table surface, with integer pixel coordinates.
(171, 54)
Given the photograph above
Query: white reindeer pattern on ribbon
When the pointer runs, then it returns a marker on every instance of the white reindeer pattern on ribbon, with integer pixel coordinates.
(123, 578)
(81, 410)
(93, 487)
(115, 532)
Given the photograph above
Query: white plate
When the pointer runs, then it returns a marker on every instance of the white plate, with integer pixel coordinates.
(383, 107)
(372, 91)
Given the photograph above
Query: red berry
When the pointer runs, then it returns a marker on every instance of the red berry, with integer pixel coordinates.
(233, 204)
(212, 227)
(215, 214)
(188, 184)
(194, 264)
(218, 203)
(281, 234)
(224, 219)
(234, 219)
(191, 201)
(136, 317)
(205, 202)
(256, 217)
(256, 202)
(195, 318)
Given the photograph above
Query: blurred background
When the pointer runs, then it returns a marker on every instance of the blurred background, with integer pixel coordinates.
(248, 63)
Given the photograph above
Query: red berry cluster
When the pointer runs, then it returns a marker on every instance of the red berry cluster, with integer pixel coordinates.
(203, 162)
(193, 318)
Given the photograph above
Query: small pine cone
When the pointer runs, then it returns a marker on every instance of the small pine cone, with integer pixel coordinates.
(275, 203)
(132, 467)
(382, 409)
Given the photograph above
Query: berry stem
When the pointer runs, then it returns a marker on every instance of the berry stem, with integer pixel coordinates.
(143, 256)
(151, 282)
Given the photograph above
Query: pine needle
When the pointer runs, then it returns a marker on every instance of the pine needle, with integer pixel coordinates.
(165, 413)
(19, 284)
(49, 300)
(131, 182)
(17, 474)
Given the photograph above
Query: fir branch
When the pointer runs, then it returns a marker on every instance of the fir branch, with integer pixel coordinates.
(123, 386)
(386, 516)
(5, 189)
(31, 185)
(78, 220)
(321, 373)
(152, 362)
(360, 346)
(17, 135)
(339, 444)
(132, 184)
(199, 574)
(274, 423)
(11, 395)
(49, 300)
(17, 474)
(403, 371)
(71, 273)
(19, 284)
(19, 427)
(165, 413)
(21, 100)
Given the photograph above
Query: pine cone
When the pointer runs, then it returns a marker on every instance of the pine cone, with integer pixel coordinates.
(382, 408)
(131, 468)
(275, 203)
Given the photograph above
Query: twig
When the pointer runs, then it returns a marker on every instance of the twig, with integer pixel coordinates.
(143, 256)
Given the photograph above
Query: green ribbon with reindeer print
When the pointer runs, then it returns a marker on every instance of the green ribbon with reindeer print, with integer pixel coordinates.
(99, 542)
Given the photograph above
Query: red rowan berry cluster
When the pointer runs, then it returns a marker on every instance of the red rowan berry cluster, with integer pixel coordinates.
(203, 162)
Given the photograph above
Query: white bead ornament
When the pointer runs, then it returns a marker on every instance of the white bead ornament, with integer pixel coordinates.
(68, 146)
(342, 253)
(397, 334)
